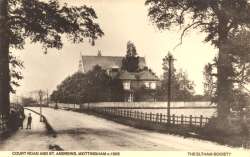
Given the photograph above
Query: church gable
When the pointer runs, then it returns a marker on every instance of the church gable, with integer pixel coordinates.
(106, 62)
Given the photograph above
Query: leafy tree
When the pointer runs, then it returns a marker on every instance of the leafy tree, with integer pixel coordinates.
(181, 87)
(70, 90)
(99, 83)
(238, 48)
(185, 90)
(218, 19)
(28, 101)
(42, 22)
(116, 90)
(131, 60)
(94, 86)
(145, 94)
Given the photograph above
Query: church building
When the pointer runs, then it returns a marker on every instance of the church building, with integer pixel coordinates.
(132, 81)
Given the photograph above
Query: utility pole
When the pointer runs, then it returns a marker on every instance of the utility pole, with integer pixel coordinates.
(170, 59)
(40, 93)
(47, 97)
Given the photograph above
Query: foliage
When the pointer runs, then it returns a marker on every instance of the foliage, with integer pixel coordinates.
(38, 21)
(209, 83)
(238, 47)
(181, 87)
(28, 101)
(16, 65)
(219, 19)
(145, 94)
(46, 22)
(94, 86)
(207, 15)
(131, 60)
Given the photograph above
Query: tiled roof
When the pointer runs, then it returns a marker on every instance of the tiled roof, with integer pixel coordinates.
(106, 62)
(147, 75)
(144, 75)
(124, 75)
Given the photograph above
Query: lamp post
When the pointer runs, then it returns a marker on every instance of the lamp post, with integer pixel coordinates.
(40, 93)
(170, 59)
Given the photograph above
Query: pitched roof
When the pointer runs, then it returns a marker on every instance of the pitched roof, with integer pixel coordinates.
(125, 75)
(147, 75)
(106, 62)
(144, 75)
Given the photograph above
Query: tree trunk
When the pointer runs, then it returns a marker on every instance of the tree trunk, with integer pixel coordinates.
(224, 70)
(224, 85)
(4, 60)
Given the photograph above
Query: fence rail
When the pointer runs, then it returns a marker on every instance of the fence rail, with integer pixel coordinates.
(156, 118)
(159, 118)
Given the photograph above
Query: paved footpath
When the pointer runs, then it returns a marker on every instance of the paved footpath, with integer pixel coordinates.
(78, 131)
(30, 140)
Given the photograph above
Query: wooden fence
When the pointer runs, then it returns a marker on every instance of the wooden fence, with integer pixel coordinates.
(155, 118)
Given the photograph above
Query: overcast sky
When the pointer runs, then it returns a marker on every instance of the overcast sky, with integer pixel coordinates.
(121, 21)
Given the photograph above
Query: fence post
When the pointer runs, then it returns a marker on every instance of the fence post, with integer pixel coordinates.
(160, 117)
(190, 121)
(174, 119)
(141, 116)
(182, 119)
(201, 117)
(150, 116)
(195, 120)
(157, 117)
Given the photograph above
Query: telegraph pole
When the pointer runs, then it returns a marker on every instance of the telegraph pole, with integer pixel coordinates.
(40, 93)
(47, 97)
(170, 59)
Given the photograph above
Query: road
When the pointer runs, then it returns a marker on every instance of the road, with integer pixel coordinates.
(78, 131)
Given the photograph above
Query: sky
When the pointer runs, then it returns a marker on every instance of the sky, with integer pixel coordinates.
(121, 21)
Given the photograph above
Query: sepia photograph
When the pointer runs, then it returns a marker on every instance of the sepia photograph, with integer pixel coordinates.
(111, 77)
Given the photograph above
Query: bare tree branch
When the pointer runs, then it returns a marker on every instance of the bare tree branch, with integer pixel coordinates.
(194, 25)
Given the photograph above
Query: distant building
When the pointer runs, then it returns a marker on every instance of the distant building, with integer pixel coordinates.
(132, 81)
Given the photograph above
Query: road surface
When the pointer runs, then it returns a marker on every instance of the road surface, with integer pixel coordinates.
(78, 131)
